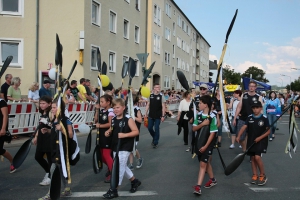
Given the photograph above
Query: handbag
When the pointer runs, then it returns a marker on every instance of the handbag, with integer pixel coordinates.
(7, 137)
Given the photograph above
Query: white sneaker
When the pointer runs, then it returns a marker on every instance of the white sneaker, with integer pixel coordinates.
(46, 180)
(173, 116)
(240, 146)
(271, 139)
(231, 146)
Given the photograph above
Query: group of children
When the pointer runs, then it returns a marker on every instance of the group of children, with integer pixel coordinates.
(257, 127)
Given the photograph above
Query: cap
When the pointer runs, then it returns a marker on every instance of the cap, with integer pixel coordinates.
(203, 85)
(46, 81)
(256, 104)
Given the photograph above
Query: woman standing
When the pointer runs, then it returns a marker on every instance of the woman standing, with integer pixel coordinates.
(273, 110)
(4, 128)
(182, 117)
(14, 92)
(233, 105)
(33, 94)
(42, 138)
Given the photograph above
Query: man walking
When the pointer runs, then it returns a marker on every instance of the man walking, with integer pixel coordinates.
(244, 109)
(156, 107)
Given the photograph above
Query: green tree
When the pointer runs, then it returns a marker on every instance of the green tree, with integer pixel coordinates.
(231, 76)
(257, 74)
(295, 85)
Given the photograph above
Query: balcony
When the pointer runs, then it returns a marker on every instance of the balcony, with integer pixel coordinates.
(197, 77)
(198, 47)
(197, 62)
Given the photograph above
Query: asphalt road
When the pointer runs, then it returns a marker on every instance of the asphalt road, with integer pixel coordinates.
(168, 172)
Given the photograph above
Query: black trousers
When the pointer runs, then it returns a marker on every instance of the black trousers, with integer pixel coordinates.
(39, 157)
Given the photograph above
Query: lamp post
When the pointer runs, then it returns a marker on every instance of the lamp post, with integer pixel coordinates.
(281, 82)
(290, 81)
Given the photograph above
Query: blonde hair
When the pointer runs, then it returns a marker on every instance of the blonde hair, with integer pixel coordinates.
(15, 80)
(119, 101)
(32, 87)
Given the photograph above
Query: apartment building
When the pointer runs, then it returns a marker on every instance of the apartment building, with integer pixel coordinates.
(117, 27)
(175, 44)
(120, 28)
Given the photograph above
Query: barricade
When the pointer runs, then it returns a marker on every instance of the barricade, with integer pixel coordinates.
(23, 117)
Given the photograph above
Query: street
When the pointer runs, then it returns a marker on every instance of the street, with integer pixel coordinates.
(168, 172)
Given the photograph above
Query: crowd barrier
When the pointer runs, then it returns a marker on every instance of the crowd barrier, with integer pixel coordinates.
(23, 117)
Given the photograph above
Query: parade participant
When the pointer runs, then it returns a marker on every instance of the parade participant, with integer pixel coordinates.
(273, 110)
(205, 117)
(4, 129)
(156, 108)
(45, 89)
(182, 118)
(105, 117)
(233, 105)
(42, 138)
(138, 121)
(257, 124)
(243, 110)
(55, 151)
(5, 86)
(126, 146)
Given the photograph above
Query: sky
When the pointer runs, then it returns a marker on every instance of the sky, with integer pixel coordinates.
(266, 34)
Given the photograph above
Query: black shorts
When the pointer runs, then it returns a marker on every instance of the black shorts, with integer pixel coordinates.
(255, 154)
(204, 157)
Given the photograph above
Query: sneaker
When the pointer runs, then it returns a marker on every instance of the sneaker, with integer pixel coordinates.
(197, 189)
(130, 166)
(188, 149)
(111, 194)
(231, 146)
(67, 192)
(107, 179)
(262, 180)
(134, 185)
(46, 180)
(240, 146)
(254, 179)
(270, 139)
(46, 197)
(219, 144)
(210, 183)
(173, 116)
(154, 146)
(139, 163)
(12, 169)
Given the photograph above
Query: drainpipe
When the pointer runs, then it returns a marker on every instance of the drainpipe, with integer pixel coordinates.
(37, 41)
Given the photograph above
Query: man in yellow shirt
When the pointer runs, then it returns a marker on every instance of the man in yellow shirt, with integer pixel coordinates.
(82, 91)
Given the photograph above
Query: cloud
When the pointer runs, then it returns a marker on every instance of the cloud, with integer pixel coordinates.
(212, 57)
(242, 67)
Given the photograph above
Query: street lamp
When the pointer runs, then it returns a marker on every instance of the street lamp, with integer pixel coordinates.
(290, 81)
(295, 68)
(281, 82)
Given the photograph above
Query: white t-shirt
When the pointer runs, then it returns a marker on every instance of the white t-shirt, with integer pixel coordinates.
(234, 106)
(184, 105)
(33, 95)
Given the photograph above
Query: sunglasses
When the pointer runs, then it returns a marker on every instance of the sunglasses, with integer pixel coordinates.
(202, 88)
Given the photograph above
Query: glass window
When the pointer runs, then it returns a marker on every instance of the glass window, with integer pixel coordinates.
(137, 34)
(112, 59)
(126, 29)
(94, 57)
(112, 22)
(96, 13)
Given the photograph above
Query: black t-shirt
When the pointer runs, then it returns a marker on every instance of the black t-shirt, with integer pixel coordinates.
(4, 89)
(126, 143)
(88, 91)
(155, 109)
(75, 91)
(256, 126)
(247, 101)
(104, 142)
(43, 140)
(138, 124)
(2, 105)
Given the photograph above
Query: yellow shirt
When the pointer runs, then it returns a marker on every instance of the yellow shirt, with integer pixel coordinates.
(82, 91)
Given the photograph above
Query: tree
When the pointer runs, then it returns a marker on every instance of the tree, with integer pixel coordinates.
(295, 85)
(231, 76)
(257, 74)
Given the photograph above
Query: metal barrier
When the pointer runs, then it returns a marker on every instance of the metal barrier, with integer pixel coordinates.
(24, 117)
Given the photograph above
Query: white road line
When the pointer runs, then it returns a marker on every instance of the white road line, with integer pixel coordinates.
(263, 189)
(121, 193)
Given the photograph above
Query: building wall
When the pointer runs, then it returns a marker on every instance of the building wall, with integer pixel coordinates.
(101, 36)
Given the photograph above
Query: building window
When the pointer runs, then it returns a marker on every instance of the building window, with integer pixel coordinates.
(179, 21)
(12, 47)
(126, 29)
(168, 9)
(156, 44)
(179, 42)
(173, 73)
(167, 82)
(188, 30)
(96, 13)
(183, 65)
(157, 15)
(187, 67)
(112, 62)
(178, 63)
(173, 51)
(174, 29)
(194, 69)
(136, 34)
(138, 5)
(167, 58)
(112, 22)
(125, 58)
(94, 58)
(168, 34)
(11, 7)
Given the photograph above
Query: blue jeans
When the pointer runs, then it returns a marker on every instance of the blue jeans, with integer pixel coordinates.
(155, 134)
(272, 119)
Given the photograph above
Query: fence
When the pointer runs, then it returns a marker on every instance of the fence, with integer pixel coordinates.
(24, 117)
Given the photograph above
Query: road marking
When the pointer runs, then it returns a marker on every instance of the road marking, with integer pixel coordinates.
(121, 193)
(263, 189)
